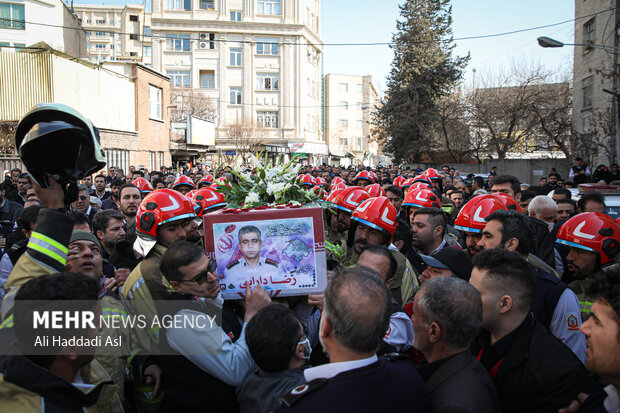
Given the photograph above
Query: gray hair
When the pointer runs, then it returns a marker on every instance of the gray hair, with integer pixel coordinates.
(542, 202)
(455, 305)
(358, 307)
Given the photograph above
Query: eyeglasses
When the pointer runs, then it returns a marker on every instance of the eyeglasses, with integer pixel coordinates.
(202, 276)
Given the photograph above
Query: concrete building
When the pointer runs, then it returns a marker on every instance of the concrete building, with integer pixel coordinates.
(117, 33)
(349, 102)
(257, 61)
(126, 102)
(595, 111)
(25, 22)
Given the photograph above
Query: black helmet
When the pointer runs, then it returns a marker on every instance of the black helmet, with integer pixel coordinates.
(55, 139)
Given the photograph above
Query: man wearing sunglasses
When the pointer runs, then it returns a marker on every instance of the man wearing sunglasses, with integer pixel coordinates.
(207, 365)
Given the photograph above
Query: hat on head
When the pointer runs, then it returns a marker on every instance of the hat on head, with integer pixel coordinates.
(454, 259)
(95, 200)
(84, 236)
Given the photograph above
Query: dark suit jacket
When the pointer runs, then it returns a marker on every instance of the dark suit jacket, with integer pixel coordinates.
(462, 384)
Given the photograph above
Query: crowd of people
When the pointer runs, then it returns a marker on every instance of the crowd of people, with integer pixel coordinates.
(445, 293)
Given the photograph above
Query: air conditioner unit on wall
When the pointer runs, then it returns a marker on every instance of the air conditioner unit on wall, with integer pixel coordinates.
(203, 45)
(204, 36)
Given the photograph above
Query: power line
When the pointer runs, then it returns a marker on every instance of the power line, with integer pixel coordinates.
(476, 37)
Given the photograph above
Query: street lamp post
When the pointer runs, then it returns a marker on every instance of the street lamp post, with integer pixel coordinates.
(548, 42)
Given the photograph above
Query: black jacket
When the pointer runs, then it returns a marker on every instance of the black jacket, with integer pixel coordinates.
(538, 373)
(543, 242)
(461, 385)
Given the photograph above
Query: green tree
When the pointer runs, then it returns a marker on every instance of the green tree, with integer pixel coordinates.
(423, 71)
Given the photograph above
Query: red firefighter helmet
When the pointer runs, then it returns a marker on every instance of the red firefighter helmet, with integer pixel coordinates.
(373, 176)
(509, 201)
(375, 190)
(350, 198)
(209, 179)
(398, 181)
(161, 207)
(191, 193)
(316, 169)
(592, 231)
(332, 195)
(208, 199)
(320, 182)
(407, 183)
(473, 214)
(183, 180)
(307, 180)
(340, 185)
(421, 198)
(337, 180)
(143, 185)
(420, 185)
(377, 213)
(431, 174)
(221, 181)
(364, 175)
(422, 178)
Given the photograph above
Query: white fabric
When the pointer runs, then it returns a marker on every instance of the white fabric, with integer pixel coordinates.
(327, 371)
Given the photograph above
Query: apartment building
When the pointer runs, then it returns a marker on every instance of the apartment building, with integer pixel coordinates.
(349, 102)
(257, 61)
(116, 33)
(596, 80)
(26, 22)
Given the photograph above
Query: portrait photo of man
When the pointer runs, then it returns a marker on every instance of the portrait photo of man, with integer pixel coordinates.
(251, 267)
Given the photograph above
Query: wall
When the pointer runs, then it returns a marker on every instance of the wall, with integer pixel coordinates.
(71, 39)
(106, 98)
(527, 170)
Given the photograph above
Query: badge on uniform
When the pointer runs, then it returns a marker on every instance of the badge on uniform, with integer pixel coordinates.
(572, 322)
(298, 392)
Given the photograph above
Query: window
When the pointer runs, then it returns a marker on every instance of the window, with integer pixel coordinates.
(343, 87)
(185, 5)
(117, 157)
(343, 141)
(100, 21)
(359, 87)
(359, 144)
(343, 123)
(133, 18)
(267, 46)
(179, 78)
(235, 95)
(178, 42)
(268, 7)
(343, 105)
(147, 30)
(100, 34)
(111, 47)
(235, 16)
(112, 35)
(268, 120)
(100, 46)
(207, 79)
(235, 57)
(589, 33)
(147, 51)
(133, 36)
(359, 124)
(267, 81)
(587, 92)
(207, 4)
